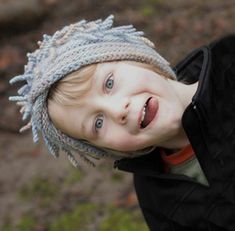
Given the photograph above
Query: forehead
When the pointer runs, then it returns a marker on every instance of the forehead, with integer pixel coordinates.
(105, 66)
(66, 118)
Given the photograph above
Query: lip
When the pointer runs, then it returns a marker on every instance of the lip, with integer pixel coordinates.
(140, 115)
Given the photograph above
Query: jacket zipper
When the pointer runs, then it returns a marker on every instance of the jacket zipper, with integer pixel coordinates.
(199, 112)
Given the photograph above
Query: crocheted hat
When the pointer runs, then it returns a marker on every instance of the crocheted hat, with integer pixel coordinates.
(68, 50)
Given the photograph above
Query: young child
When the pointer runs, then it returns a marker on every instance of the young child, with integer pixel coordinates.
(104, 91)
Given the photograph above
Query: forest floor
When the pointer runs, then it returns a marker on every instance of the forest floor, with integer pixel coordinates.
(38, 193)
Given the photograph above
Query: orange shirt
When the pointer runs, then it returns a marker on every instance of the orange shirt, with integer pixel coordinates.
(177, 158)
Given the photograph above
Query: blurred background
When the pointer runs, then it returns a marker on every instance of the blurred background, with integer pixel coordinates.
(39, 193)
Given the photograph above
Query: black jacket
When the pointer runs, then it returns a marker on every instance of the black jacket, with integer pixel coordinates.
(174, 202)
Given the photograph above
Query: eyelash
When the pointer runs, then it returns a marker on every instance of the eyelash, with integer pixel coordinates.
(99, 117)
(110, 77)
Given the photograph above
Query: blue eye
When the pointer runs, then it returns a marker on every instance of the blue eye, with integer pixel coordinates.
(109, 82)
(99, 123)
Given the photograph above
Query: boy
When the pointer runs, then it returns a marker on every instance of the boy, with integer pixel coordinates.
(104, 91)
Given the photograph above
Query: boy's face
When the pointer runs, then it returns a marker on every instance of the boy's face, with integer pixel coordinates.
(110, 114)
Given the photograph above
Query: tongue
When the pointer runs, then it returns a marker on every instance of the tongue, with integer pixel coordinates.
(150, 111)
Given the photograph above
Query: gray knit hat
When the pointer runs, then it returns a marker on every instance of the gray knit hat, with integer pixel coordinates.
(68, 50)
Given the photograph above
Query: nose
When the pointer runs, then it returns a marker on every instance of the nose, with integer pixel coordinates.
(118, 109)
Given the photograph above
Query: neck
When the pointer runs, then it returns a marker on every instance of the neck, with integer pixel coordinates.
(178, 142)
(185, 93)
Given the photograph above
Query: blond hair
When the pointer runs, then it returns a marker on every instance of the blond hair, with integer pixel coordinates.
(73, 87)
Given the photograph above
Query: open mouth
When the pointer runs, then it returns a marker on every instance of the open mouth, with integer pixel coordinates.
(149, 112)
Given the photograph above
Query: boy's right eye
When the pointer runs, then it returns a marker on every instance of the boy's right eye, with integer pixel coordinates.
(98, 123)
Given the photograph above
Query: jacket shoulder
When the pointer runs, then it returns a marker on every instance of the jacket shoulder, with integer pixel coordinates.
(226, 43)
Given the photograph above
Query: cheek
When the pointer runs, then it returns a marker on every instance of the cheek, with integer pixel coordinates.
(155, 86)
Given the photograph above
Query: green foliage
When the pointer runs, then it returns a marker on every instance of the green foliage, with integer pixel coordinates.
(27, 223)
(123, 220)
(73, 177)
(117, 176)
(6, 223)
(83, 215)
(151, 7)
(78, 219)
(155, 1)
(147, 10)
(6, 227)
(40, 189)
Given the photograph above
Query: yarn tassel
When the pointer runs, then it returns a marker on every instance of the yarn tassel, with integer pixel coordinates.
(35, 133)
(19, 78)
(23, 89)
(21, 103)
(107, 23)
(71, 158)
(26, 114)
(26, 127)
(54, 151)
(17, 98)
(86, 160)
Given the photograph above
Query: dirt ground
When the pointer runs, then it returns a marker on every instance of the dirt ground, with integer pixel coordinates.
(176, 27)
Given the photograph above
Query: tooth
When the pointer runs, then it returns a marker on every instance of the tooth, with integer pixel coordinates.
(143, 114)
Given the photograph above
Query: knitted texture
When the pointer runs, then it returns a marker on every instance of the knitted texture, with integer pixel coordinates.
(68, 50)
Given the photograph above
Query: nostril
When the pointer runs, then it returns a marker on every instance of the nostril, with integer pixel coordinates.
(127, 105)
(123, 118)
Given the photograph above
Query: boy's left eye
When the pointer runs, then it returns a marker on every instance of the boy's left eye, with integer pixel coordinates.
(109, 82)
(99, 123)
